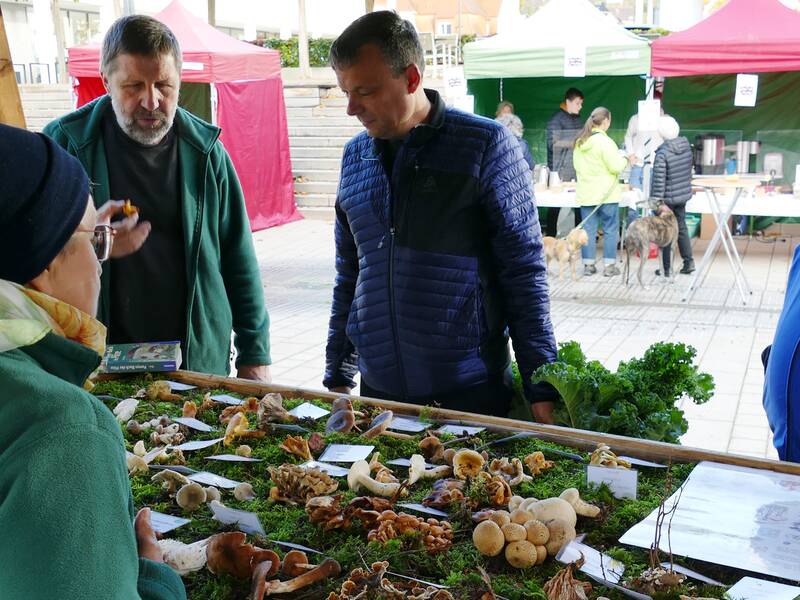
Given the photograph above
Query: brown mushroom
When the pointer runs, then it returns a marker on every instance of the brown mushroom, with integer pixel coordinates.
(207, 403)
(327, 568)
(295, 563)
(248, 406)
(228, 553)
(160, 390)
(467, 463)
(432, 449)
(189, 409)
(298, 446)
(488, 538)
(380, 426)
(239, 427)
(271, 410)
(537, 463)
(342, 418)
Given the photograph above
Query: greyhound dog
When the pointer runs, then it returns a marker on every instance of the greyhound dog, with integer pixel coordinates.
(565, 250)
(660, 229)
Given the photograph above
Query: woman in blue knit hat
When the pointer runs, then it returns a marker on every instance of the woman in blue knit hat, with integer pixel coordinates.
(66, 510)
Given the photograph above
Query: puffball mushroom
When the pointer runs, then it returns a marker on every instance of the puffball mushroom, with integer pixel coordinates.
(418, 471)
(537, 532)
(553, 508)
(467, 463)
(191, 496)
(488, 538)
(520, 516)
(184, 558)
(501, 517)
(514, 532)
(244, 491)
(359, 477)
(521, 554)
(561, 533)
(581, 507)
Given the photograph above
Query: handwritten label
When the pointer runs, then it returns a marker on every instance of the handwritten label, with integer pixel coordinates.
(408, 424)
(227, 399)
(422, 508)
(193, 423)
(296, 546)
(233, 458)
(405, 462)
(575, 61)
(345, 453)
(177, 386)
(331, 470)
(212, 479)
(196, 445)
(245, 520)
(623, 483)
(163, 523)
(643, 463)
(306, 410)
(746, 90)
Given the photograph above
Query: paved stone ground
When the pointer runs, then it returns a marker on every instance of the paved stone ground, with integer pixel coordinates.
(610, 321)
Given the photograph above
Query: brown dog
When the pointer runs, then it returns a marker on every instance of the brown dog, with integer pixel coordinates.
(660, 229)
(565, 250)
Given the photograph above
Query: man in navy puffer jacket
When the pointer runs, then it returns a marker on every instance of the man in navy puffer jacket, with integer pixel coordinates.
(438, 247)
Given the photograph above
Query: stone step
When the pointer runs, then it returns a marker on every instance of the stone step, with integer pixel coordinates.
(301, 92)
(312, 164)
(317, 187)
(299, 112)
(317, 142)
(301, 102)
(315, 200)
(323, 122)
(312, 175)
(333, 132)
(302, 152)
(38, 112)
(334, 101)
(318, 213)
(329, 111)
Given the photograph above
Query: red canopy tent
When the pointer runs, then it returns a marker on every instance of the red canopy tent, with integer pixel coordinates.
(250, 108)
(744, 36)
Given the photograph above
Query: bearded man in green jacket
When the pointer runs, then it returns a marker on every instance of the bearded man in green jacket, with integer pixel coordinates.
(184, 266)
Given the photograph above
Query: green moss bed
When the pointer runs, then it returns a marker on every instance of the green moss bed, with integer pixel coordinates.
(457, 568)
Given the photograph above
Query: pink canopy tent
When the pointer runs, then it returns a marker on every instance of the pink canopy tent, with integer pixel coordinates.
(250, 107)
(744, 36)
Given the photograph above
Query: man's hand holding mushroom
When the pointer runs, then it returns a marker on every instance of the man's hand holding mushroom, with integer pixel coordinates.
(146, 537)
(129, 233)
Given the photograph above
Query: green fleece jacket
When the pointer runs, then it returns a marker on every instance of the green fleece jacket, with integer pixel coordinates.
(597, 165)
(66, 511)
(222, 271)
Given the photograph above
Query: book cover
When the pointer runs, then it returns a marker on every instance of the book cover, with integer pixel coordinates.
(142, 357)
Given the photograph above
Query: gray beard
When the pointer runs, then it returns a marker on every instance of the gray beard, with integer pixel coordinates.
(146, 137)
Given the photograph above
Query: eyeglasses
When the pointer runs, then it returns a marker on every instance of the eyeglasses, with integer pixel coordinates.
(102, 240)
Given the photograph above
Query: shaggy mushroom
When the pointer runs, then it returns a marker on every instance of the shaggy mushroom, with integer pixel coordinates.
(563, 586)
(294, 483)
(160, 390)
(298, 446)
(191, 496)
(244, 491)
(418, 471)
(488, 538)
(170, 480)
(467, 463)
(380, 426)
(271, 410)
(582, 508)
(327, 568)
(342, 418)
(521, 554)
(184, 558)
(359, 477)
(228, 553)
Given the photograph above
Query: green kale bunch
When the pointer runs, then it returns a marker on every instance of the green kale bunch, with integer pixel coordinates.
(637, 401)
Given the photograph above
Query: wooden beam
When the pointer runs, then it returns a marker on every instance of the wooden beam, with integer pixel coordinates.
(10, 102)
(578, 438)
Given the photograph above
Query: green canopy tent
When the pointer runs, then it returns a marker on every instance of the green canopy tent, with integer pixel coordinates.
(527, 67)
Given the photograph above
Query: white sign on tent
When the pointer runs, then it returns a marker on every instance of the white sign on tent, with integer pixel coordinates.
(746, 90)
(575, 61)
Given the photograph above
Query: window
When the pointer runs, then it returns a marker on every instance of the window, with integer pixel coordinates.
(234, 32)
(445, 28)
(79, 26)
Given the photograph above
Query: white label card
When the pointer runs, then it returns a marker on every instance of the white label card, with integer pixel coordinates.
(331, 470)
(193, 423)
(595, 563)
(227, 399)
(746, 90)
(408, 424)
(345, 453)
(623, 483)
(575, 61)
(306, 410)
(196, 445)
(643, 463)
(693, 574)
(163, 523)
(246, 521)
(422, 508)
(215, 480)
(461, 429)
(233, 458)
(759, 589)
(177, 386)
(296, 546)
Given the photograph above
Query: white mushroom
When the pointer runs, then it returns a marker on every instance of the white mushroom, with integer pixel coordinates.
(125, 409)
(212, 494)
(244, 491)
(184, 558)
(583, 508)
(136, 464)
(418, 471)
(553, 508)
(139, 449)
(191, 496)
(359, 477)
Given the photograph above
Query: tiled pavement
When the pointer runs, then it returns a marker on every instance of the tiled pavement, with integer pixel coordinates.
(610, 321)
